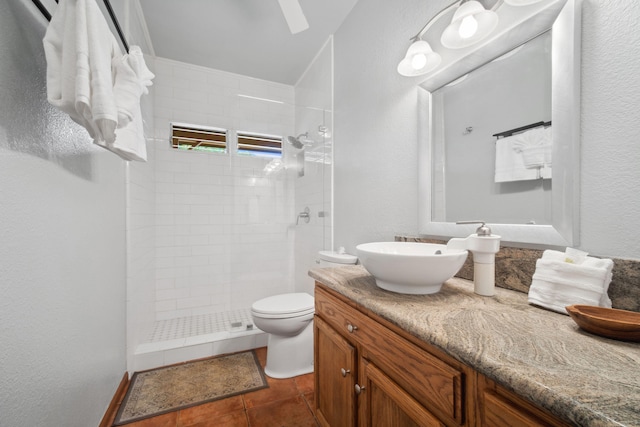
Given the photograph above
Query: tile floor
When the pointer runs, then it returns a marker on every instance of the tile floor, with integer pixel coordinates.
(286, 403)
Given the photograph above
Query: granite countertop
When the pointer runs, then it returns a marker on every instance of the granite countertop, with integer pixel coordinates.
(541, 355)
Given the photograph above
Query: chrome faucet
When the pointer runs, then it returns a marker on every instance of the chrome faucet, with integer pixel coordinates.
(305, 215)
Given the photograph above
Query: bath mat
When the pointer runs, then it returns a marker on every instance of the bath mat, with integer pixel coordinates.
(171, 388)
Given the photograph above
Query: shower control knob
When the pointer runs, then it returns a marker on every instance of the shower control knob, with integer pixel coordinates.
(344, 372)
(351, 328)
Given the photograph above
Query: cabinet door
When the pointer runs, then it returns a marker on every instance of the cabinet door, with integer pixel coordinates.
(384, 403)
(335, 363)
(498, 411)
(499, 407)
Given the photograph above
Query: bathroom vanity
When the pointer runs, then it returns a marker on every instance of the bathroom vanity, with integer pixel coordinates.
(459, 359)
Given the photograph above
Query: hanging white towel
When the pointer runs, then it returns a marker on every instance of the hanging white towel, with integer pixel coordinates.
(509, 162)
(130, 143)
(80, 50)
(557, 283)
(132, 79)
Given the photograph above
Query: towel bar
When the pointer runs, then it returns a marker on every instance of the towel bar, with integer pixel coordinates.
(520, 129)
(107, 4)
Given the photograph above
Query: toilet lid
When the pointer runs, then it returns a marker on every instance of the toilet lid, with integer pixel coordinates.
(291, 304)
(337, 257)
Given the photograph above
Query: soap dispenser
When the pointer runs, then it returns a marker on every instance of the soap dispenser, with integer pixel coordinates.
(484, 246)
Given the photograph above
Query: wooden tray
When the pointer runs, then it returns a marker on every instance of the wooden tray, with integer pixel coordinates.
(607, 322)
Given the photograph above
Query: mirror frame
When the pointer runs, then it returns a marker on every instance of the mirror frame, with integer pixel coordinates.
(564, 230)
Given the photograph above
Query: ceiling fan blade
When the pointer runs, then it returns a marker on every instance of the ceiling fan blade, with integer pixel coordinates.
(294, 15)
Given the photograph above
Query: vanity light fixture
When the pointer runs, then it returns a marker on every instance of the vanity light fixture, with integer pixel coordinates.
(471, 23)
(420, 59)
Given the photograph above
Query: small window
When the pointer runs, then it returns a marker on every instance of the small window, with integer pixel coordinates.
(198, 138)
(254, 144)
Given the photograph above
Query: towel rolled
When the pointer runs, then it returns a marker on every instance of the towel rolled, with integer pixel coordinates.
(557, 283)
(536, 147)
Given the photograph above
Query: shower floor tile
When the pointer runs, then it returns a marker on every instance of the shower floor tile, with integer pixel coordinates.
(203, 324)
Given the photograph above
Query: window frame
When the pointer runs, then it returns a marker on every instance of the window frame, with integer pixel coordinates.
(219, 144)
(268, 145)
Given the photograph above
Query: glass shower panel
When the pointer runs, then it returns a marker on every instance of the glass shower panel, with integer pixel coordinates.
(311, 192)
(260, 248)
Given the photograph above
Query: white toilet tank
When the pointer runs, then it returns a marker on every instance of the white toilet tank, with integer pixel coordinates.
(335, 258)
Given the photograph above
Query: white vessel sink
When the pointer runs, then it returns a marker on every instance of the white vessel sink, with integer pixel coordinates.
(409, 267)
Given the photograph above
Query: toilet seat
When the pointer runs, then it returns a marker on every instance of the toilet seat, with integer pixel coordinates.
(284, 306)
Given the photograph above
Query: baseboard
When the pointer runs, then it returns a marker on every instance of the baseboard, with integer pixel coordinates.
(110, 414)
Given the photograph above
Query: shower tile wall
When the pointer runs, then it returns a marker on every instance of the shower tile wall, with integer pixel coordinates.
(222, 226)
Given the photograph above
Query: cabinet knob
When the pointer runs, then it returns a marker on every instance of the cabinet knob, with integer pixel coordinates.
(359, 389)
(351, 328)
(344, 372)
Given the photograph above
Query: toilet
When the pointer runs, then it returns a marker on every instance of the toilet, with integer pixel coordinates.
(288, 319)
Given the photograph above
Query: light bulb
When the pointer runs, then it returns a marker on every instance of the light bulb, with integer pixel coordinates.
(418, 61)
(468, 27)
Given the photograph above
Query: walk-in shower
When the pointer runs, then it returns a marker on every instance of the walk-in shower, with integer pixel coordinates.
(225, 235)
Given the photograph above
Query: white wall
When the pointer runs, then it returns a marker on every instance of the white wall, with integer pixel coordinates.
(62, 222)
(375, 115)
(223, 237)
(375, 170)
(610, 205)
(314, 104)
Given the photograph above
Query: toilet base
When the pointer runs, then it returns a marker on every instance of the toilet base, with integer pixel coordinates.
(290, 356)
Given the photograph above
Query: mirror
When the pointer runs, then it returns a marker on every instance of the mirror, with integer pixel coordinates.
(512, 91)
(559, 226)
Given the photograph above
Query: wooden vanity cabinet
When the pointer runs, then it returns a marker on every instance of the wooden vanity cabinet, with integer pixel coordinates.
(369, 372)
(368, 375)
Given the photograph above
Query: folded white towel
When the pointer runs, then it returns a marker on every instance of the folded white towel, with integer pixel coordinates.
(80, 50)
(557, 283)
(509, 163)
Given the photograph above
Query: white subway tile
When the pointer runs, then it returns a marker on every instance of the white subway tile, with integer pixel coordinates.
(173, 295)
(192, 302)
(166, 305)
(164, 315)
(202, 200)
(163, 284)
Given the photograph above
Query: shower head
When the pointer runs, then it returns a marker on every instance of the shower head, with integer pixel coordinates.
(296, 141)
